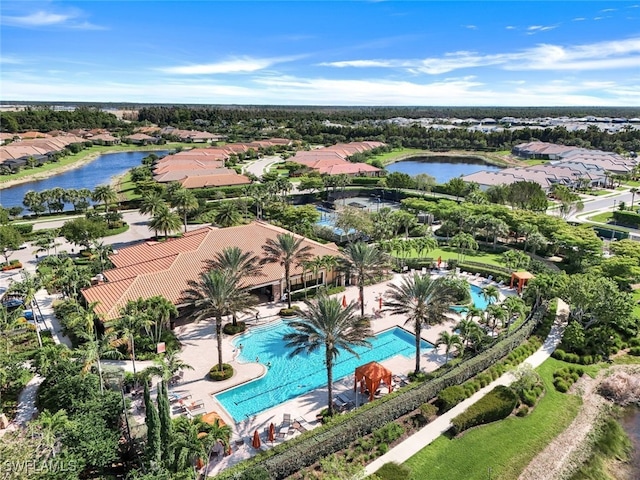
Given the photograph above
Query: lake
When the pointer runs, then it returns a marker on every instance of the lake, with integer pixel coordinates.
(441, 168)
(97, 172)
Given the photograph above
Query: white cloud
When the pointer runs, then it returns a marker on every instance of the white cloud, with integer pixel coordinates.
(237, 65)
(579, 19)
(471, 27)
(614, 54)
(43, 18)
(8, 60)
(289, 90)
(533, 29)
(510, 27)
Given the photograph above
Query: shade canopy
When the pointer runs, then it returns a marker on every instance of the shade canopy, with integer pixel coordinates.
(520, 279)
(370, 375)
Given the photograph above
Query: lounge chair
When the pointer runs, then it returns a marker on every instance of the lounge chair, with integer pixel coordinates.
(286, 420)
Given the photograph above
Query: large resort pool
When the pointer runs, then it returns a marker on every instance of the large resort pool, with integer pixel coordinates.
(287, 378)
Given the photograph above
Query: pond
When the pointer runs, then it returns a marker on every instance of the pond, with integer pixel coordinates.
(442, 168)
(97, 172)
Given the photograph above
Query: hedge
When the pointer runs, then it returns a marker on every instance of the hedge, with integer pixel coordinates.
(216, 375)
(486, 270)
(495, 405)
(365, 181)
(626, 218)
(230, 191)
(294, 455)
(295, 296)
(23, 228)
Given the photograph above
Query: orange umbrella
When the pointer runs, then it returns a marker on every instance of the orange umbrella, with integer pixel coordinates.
(256, 440)
(344, 301)
(272, 433)
(439, 261)
(380, 302)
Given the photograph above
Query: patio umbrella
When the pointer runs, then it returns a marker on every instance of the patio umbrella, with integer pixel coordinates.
(380, 303)
(439, 261)
(272, 433)
(256, 440)
(344, 301)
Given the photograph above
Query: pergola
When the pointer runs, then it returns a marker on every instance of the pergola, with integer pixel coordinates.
(370, 375)
(520, 279)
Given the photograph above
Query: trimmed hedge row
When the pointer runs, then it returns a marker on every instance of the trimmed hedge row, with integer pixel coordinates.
(568, 357)
(564, 377)
(486, 270)
(295, 296)
(626, 218)
(495, 405)
(292, 456)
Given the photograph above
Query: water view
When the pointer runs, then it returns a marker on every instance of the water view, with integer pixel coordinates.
(98, 172)
(442, 168)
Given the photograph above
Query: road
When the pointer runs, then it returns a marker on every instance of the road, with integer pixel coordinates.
(262, 165)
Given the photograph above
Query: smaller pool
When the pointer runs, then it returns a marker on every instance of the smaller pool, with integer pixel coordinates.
(328, 219)
(479, 301)
(287, 377)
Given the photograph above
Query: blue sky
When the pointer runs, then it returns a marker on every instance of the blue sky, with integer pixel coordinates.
(522, 53)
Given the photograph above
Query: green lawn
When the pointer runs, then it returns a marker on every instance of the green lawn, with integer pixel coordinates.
(448, 253)
(534, 161)
(599, 193)
(632, 183)
(397, 154)
(503, 449)
(601, 217)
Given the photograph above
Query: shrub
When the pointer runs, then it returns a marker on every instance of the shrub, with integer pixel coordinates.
(634, 351)
(428, 410)
(387, 434)
(289, 312)
(393, 471)
(523, 411)
(450, 397)
(231, 329)
(256, 473)
(216, 375)
(496, 405)
(561, 386)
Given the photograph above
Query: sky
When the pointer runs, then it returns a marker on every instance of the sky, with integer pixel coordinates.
(424, 53)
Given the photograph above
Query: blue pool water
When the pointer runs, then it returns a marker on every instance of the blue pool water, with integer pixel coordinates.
(476, 297)
(328, 219)
(287, 378)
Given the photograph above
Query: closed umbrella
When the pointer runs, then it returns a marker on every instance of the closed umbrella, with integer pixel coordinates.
(256, 440)
(439, 261)
(344, 301)
(272, 433)
(380, 302)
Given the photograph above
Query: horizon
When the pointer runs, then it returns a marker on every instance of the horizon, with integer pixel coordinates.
(360, 54)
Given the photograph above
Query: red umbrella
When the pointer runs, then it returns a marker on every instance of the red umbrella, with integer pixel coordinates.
(344, 301)
(380, 302)
(256, 440)
(272, 433)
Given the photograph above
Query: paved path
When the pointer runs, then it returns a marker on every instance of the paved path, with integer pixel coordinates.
(262, 165)
(412, 445)
(26, 403)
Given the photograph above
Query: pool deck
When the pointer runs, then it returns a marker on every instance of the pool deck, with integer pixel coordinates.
(200, 351)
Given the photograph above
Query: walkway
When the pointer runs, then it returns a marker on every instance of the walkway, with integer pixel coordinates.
(26, 403)
(412, 445)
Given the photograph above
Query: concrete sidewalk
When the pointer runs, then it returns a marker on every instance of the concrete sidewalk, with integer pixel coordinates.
(412, 445)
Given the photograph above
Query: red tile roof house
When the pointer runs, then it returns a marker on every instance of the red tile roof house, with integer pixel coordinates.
(105, 139)
(164, 268)
(214, 180)
(140, 139)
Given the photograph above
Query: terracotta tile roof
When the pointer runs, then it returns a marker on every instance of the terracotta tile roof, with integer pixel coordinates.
(173, 175)
(348, 168)
(186, 165)
(217, 180)
(164, 268)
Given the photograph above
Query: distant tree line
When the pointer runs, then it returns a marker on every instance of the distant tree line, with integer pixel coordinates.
(45, 119)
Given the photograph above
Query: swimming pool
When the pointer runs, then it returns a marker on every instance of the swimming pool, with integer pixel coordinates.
(476, 297)
(287, 378)
(328, 219)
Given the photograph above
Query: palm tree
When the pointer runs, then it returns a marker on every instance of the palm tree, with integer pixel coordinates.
(166, 366)
(288, 252)
(165, 221)
(325, 324)
(237, 262)
(633, 191)
(48, 426)
(97, 347)
(329, 263)
(449, 341)
(490, 293)
(104, 194)
(215, 295)
(469, 331)
(513, 305)
(463, 242)
(365, 262)
(128, 326)
(83, 321)
(227, 215)
(193, 440)
(49, 356)
(184, 201)
(9, 321)
(28, 287)
(151, 203)
(495, 314)
(423, 300)
(159, 310)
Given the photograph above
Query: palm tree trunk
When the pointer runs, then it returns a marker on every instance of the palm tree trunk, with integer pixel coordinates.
(329, 361)
(185, 221)
(133, 354)
(219, 339)
(100, 375)
(288, 277)
(361, 293)
(418, 328)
